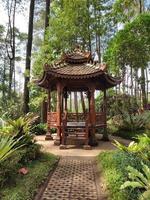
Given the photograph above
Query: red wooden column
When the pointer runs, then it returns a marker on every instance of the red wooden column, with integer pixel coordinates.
(65, 97)
(105, 134)
(58, 110)
(48, 134)
(92, 116)
(92, 107)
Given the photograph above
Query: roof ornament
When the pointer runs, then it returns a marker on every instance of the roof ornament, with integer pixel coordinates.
(101, 66)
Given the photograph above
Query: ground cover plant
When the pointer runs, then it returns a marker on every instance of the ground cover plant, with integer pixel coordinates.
(25, 187)
(126, 168)
(19, 150)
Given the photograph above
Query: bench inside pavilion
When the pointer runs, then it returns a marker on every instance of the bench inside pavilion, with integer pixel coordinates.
(75, 72)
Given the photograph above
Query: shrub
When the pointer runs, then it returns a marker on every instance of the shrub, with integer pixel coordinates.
(39, 129)
(26, 186)
(8, 169)
(114, 165)
(141, 148)
(8, 145)
(129, 125)
(139, 180)
(30, 153)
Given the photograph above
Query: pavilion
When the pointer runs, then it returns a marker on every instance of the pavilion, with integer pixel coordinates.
(76, 72)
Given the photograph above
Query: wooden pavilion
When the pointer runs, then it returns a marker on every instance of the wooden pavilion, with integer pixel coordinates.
(76, 72)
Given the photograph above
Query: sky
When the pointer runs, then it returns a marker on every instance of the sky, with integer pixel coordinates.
(22, 25)
(21, 19)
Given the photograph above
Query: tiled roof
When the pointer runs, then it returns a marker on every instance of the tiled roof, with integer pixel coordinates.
(77, 65)
(75, 69)
(77, 57)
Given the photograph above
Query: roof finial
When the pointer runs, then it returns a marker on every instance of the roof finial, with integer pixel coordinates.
(77, 48)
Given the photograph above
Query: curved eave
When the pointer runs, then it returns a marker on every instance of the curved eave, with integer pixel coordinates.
(68, 76)
(112, 81)
(49, 76)
(43, 82)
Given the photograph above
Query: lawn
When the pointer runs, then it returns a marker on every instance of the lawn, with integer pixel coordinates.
(26, 186)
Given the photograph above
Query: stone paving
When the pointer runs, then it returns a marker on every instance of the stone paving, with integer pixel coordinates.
(73, 179)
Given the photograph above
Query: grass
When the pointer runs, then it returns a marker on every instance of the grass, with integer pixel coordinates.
(112, 175)
(26, 185)
(114, 165)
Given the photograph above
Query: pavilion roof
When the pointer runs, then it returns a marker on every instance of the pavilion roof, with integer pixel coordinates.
(77, 65)
(75, 71)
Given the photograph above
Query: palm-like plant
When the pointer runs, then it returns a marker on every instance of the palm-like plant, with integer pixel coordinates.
(22, 128)
(8, 146)
(141, 147)
(139, 180)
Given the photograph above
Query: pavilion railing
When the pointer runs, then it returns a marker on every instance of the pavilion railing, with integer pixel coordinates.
(73, 117)
(100, 119)
(52, 119)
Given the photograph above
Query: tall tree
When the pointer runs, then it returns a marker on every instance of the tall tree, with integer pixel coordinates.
(47, 13)
(130, 48)
(28, 58)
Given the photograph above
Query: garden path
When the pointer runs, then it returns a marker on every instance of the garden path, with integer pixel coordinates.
(77, 176)
(48, 146)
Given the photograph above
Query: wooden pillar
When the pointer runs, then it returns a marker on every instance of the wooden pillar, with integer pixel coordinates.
(92, 107)
(76, 104)
(48, 134)
(83, 103)
(58, 110)
(65, 98)
(92, 115)
(44, 111)
(105, 134)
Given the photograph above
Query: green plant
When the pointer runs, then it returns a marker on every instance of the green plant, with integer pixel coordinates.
(141, 148)
(30, 153)
(114, 165)
(26, 186)
(132, 147)
(9, 168)
(8, 146)
(139, 180)
(22, 127)
(39, 129)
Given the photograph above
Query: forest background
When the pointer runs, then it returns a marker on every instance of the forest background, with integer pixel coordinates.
(119, 30)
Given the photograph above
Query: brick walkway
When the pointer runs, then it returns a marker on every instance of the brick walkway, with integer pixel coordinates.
(73, 179)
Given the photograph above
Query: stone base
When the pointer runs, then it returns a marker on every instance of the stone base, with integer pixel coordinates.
(87, 147)
(105, 138)
(62, 146)
(48, 137)
(57, 141)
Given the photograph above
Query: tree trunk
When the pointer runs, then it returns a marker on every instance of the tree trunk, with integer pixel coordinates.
(28, 57)
(147, 83)
(131, 87)
(47, 13)
(10, 43)
(143, 87)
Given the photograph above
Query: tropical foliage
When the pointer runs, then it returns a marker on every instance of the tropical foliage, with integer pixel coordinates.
(127, 170)
(139, 180)
(8, 145)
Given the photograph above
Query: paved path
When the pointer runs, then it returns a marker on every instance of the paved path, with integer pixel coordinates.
(74, 179)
